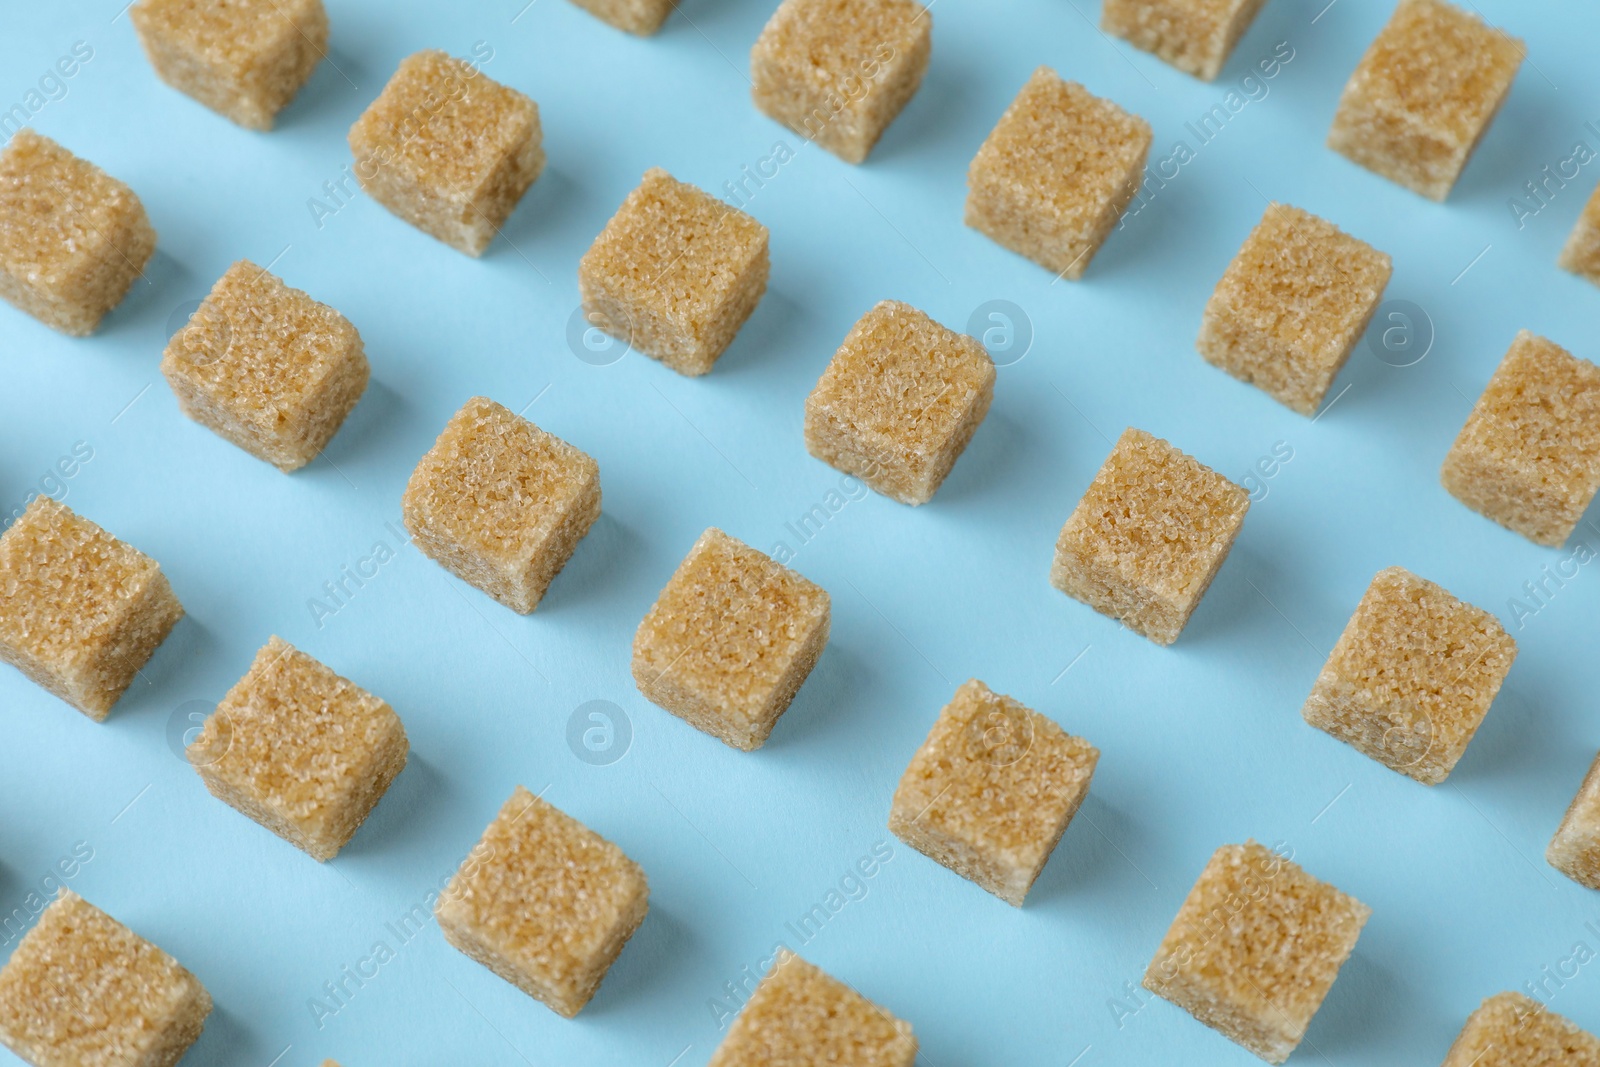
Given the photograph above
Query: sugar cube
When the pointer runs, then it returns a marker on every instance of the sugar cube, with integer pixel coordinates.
(1581, 255)
(991, 790)
(266, 367)
(730, 640)
(837, 72)
(1255, 948)
(1292, 306)
(1575, 849)
(544, 902)
(1412, 676)
(80, 611)
(1424, 95)
(899, 402)
(1149, 535)
(73, 239)
(1529, 454)
(300, 750)
(245, 59)
(500, 503)
(1513, 1030)
(1056, 173)
(642, 17)
(448, 149)
(83, 990)
(675, 273)
(1196, 36)
(801, 1015)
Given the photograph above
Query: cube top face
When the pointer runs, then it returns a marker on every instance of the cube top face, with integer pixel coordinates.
(1255, 948)
(729, 631)
(1529, 454)
(547, 897)
(1412, 677)
(82, 990)
(1513, 1030)
(996, 783)
(239, 35)
(1424, 94)
(1196, 36)
(445, 125)
(1293, 304)
(306, 749)
(497, 484)
(642, 17)
(800, 1015)
(1575, 848)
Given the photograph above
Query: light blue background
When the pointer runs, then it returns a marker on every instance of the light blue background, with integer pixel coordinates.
(1202, 743)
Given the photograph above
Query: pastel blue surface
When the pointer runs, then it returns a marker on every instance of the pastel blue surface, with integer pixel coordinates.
(1202, 743)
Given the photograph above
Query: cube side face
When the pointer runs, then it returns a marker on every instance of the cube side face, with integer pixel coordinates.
(301, 750)
(544, 902)
(1424, 95)
(838, 72)
(500, 503)
(675, 273)
(730, 640)
(80, 611)
(1149, 536)
(459, 170)
(1412, 677)
(73, 239)
(799, 1014)
(1581, 254)
(1575, 848)
(244, 60)
(267, 368)
(1292, 306)
(1196, 36)
(641, 17)
(991, 791)
(1513, 1030)
(1055, 175)
(1529, 455)
(82, 990)
(1255, 948)
(899, 402)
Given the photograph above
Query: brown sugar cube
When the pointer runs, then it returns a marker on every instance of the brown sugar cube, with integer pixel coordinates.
(73, 239)
(1412, 676)
(1255, 949)
(675, 273)
(1149, 535)
(80, 611)
(82, 990)
(730, 640)
(1581, 255)
(1529, 455)
(1575, 849)
(544, 902)
(991, 791)
(266, 367)
(799, 1016)
(300, 750)
(1292, 306)
(899, 402)
(500, 503)
(1196, 36)
(642, 17)
(1424, 94)
(837, 72)
(245, 59)
(1056, 173)
(448, 149)
(1513, 1030)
